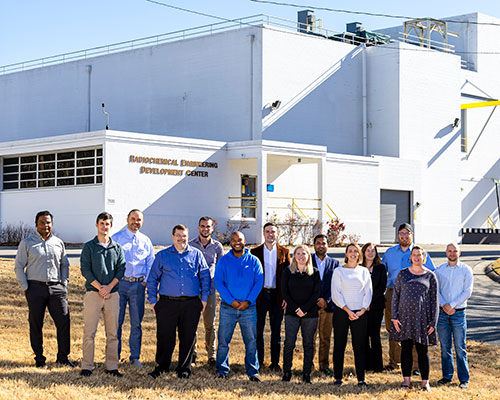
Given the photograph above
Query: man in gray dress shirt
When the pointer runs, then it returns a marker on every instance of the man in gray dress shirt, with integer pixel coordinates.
(212, 251)
(42, 270)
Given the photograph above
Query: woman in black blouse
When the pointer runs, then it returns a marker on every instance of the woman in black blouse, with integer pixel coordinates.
(300, 287)
(372, 261)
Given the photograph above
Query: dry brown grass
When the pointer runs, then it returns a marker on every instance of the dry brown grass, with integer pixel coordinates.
(20, 380)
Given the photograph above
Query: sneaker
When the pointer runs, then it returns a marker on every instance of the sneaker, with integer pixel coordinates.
(362, 384)
(405, 386)
(338, 382)
(254, 378)
(327, 371)
(136, 363)
(287, 376)
(463, 385)
(156, 373)
(306, 378)
(444, 381)
(114, 372)
(426, 387)
(416, 372)
(389, 368)
(85, 372)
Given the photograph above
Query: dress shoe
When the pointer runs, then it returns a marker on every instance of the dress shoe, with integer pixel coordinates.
(444, 381)
(183, 375)
(463, 385)
(85, 372)
(136, 363)
(156, 373)
(275, 367)
(254, 378)
(66, 362)
(338, 382)
(306, 378)
(362, 384)
(220, 376)
(40, 364)
(211, 362)
(114, 372)
(389, 368)
(286, 377)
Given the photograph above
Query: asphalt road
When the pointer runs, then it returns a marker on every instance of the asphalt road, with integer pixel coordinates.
(483, 312)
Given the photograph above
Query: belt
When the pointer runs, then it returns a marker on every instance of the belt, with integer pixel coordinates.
(456, 309)
(132, 279)
(269, 290)
(178, 298)
(49, 283)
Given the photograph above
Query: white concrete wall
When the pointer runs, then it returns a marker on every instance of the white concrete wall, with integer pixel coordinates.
(197, 88)
(74, 209)
(319, 84)
(353, 192)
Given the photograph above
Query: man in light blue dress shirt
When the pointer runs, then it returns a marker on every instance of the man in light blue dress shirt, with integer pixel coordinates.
(395, 259)
(455, 282)
(139, 254)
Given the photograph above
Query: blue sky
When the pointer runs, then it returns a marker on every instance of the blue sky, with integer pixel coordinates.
(32, 29)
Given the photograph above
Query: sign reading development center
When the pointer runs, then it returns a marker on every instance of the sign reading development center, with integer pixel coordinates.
(174, 163)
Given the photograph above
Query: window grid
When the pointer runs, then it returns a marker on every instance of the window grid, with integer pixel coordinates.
(65, 168)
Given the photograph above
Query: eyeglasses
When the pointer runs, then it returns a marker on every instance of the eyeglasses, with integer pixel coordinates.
(404, 233)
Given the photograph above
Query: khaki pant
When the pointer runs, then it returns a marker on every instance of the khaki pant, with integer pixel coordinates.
(93, 304)
(325, 335)
(394, 346)
(209, 323)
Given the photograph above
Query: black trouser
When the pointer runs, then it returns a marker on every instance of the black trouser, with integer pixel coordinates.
(341, 325)
(373, 355)
(308, 328)
(54, 297)
(268, 303)
(172, 315)
(424, 363)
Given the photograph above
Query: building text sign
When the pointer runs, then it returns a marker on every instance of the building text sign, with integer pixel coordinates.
(170, 166)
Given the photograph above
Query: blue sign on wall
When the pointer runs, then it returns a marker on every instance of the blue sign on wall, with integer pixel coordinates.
(270, 188)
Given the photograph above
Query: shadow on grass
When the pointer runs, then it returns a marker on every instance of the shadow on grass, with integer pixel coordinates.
(201, 379)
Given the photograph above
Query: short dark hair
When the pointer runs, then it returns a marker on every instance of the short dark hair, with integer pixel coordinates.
(320, 236)
(134, 210)
(270, 224)
(41, 214)
(205, 218)
(179, 227)
(104, 216)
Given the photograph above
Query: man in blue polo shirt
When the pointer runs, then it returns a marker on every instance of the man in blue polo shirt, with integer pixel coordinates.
(183, 277)
(395, 259)
(238, 279)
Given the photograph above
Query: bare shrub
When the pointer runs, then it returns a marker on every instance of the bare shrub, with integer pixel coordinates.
(12, 234)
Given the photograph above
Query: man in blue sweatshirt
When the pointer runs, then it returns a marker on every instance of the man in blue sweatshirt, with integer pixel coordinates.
(238, 279)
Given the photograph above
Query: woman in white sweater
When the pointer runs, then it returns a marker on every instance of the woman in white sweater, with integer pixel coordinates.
(352, 295)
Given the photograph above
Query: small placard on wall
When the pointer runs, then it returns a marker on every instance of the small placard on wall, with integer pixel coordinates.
(270, 188)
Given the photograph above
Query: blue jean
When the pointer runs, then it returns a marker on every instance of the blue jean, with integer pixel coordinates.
(132, 293)
(228, 317)
(453, 327)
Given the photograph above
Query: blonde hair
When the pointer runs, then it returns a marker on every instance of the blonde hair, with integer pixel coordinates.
(294, 268)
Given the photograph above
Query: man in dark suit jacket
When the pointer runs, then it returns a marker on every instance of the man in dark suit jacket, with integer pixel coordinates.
(325, 265)
(274, 259)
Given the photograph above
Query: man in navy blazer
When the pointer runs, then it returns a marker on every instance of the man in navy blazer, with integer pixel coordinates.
(325, 265)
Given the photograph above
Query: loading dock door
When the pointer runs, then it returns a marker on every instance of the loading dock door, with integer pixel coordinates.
(394, 211)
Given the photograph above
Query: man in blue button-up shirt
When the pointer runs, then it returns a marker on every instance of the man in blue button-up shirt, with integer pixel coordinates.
(139, 254)
(395, 259)
(184, 286)
(455, 283)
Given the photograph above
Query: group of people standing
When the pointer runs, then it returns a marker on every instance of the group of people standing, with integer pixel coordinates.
(313, 292)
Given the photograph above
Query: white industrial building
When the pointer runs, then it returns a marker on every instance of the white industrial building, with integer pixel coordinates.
(253, 108)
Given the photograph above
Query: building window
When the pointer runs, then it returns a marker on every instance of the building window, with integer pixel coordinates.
(66, 168)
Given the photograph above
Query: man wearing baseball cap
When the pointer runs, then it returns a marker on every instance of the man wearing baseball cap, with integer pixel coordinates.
(395, 259)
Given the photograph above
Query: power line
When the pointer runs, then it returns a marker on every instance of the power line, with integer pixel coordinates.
(277, 3)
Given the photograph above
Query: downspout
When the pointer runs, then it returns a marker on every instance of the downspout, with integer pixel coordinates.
(363, 85)
(252, 40)
(89, 70)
